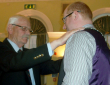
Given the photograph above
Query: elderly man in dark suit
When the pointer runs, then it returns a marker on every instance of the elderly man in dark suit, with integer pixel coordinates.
(24, 67)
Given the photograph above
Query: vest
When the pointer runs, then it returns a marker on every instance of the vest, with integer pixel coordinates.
(100, 62)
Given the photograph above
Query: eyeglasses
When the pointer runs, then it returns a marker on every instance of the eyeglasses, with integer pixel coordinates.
(64, 19)
(24, 28)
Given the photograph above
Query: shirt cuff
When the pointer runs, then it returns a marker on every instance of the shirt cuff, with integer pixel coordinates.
(50, 49)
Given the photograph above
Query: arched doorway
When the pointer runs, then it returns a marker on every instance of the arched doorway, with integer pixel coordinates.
(100, 13)
(40, 16)
(101, 20)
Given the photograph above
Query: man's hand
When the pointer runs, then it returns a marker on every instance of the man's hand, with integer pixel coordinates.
(62, 40)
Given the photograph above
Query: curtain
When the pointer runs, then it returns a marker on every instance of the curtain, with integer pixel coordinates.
(39, 29)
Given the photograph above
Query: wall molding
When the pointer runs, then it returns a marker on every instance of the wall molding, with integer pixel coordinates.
(2, 1)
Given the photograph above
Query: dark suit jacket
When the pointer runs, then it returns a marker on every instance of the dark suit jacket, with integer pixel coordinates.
(14, 66)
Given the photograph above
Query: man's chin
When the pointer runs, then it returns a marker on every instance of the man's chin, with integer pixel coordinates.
(25, 41)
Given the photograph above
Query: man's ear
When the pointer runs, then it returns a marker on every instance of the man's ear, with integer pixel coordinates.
(10, 29)
(76, 15)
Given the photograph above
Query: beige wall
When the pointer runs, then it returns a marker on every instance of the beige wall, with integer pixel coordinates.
(52, 9)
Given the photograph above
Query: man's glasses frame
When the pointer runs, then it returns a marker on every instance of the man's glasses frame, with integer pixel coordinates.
(64, 19)
(24, 28)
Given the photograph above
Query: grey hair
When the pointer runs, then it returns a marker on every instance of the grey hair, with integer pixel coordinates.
(14, 19)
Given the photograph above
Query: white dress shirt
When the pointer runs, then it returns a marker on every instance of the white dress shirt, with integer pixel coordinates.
(16, 48)
(80, 49)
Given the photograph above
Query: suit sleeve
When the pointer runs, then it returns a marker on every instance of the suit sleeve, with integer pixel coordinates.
(10, 60)
(50, 67)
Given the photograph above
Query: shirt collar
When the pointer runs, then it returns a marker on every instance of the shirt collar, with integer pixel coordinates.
(16, 48)
(89, 26)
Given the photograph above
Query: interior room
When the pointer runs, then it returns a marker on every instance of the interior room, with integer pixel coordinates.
(46, 21)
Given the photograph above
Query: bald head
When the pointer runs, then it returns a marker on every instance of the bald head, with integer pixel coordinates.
(82, 7)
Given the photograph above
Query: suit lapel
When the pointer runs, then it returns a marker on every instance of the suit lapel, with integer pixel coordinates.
(11, 48)
(8, 44)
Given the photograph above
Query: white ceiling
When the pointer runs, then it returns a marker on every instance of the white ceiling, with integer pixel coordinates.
(22, 0)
